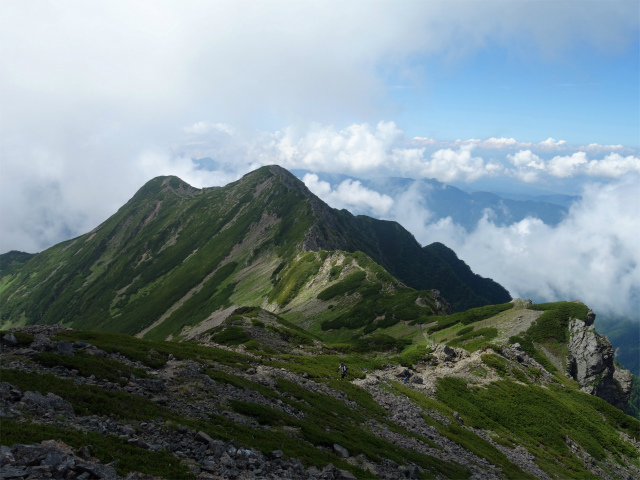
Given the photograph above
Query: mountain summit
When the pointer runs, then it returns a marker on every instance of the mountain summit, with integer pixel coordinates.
(173, 246)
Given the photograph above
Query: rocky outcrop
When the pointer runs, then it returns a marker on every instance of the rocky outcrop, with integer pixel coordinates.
(51, 459)
(590, 363)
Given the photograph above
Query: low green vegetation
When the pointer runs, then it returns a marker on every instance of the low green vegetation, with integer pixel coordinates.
(389, 305)
(107, 448)
(153, 353)
(552, 325)
(262, 414)
(472, 340)
(413, 355)
(214, 295)
(88, 365)
(231, 336)
(292, 278)
(350, 283)
(542, 419)
(498, 363)
(88, 399)
(465, 318)
(372, 343)
(22, 338)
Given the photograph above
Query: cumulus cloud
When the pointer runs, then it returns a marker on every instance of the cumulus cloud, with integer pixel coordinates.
(531, 167)
(551, 142)
(504, 143)
(526, 158)
(613, 165)
(566, 166)
(449, 165)
(89, 191)
(383, 149)
(356, 149)
(351, 195)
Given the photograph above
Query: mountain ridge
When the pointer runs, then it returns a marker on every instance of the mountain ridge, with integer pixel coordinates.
(171, 238)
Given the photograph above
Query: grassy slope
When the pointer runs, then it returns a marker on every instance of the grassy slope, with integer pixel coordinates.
(431, 267)
(540, 419)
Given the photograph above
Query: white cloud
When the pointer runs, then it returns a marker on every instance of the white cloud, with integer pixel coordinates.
(202, 127)
(526, 158)
(530, 167)
(424, 140)
(591, 256)
(357, 149)
(351, 195)
(613, 165)
(566, 166)
(449, 165)
(598, 147)
(551, 142)
(362, 150)
(499, 142)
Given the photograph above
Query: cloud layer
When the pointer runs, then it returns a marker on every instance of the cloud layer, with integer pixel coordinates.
(591, 256)
(45, 197)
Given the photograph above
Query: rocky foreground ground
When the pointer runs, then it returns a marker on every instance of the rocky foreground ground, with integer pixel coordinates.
(182, 386)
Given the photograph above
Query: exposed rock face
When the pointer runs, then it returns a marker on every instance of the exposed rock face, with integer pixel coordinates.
(444, 353)
(590, 363)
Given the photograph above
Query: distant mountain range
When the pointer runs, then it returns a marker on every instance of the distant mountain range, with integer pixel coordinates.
(464, 208)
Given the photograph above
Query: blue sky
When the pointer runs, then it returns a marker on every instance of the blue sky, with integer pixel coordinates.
(520, 96)
(584, 96)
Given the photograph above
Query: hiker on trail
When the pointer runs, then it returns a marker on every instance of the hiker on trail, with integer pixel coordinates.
(342, 369)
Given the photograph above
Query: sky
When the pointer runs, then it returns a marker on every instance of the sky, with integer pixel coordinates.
(537, 97)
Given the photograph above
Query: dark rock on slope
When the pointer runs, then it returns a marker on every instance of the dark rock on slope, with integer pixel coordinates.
(591, 363)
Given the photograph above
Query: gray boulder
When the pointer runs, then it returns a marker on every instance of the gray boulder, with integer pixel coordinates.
(63, 347)
(51, 403)
(42, 343)
(340, 451)
(590, 363)
(9, 340)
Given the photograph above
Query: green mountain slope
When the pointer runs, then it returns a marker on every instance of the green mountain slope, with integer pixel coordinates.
(12, 261)
(182, 254)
